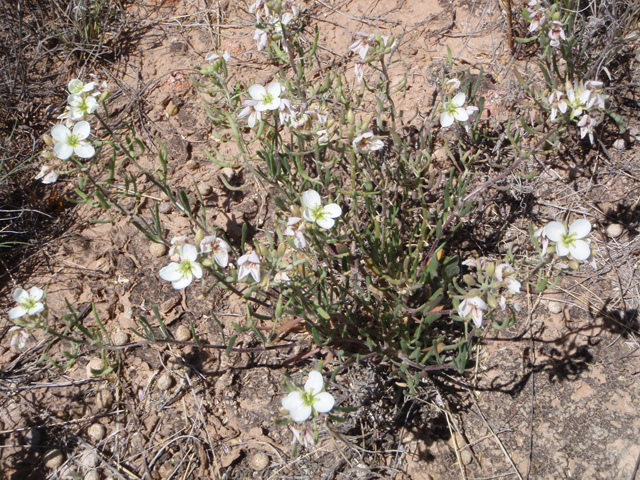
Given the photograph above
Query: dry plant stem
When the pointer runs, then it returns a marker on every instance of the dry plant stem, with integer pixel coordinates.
(510, 23)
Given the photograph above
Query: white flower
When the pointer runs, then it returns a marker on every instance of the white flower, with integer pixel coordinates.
(261, 37)
(70, 143)
(505, 274)
(282, 276)
(76, 86)
(367, 142)
(48, 174)
(556, 32)
(181, 274)
(175, 243)
(250, 109)
(358, 71)
(537, 18)
(219, 247)
(587, 124)
(570, 243)
(577, 102)
(301, 404)
(249, 264)
(19, 337)
(361, 46)
(81, 107)
(472, 306)
(298, 236)
(28, 303)
(268, 99)
(451, 86)
(594, 86)
(323, 137)
(284, 110)
(314, 212)
(454, 110)
(213, 56)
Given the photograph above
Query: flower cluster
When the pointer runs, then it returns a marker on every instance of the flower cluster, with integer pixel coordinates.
(29, 306)
(262, 100)
(537, 17)
(270, 23)
(312, 213)
(583, 103)
(379, 44)
(70, 139)
(302, 403)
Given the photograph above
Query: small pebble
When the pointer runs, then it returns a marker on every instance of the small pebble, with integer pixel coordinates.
(229, 173)
(259, 461)
(92, 475)
(32, 436)
(619, 144)
(205, 189)
(183, 333)
(94, 364)
(172, 109)
(165, 382)
(89, 460)
(165, 207)
(120, 338)
(157, 249)
(555, 307)
(53, 458)
(104, 399)
(97, 432)
(165, 470)
(614, 230)
(191, 164)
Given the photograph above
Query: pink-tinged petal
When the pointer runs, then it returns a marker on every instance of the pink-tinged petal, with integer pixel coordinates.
(293, 221)
(222, 258)
(476, 314)
(580, 227)
(446, 119)
(82, 130)
(333, 210)
(554, 231)
(252, 120)
(85, 150)
(17, 312)
(464, 309)
(257, 92)
(513, 285)
(498, 271)
(326, 223)
(299, 241)
(459, 99)
(51, 177)
(245, 111)
(561, 249)
(562, 106)
(196, 270)
(324, 402)
(478, 303)
(311, 200)
(62, 150)
(300, 414)
(20, 295)
(315, 382)
(184, 282)
(36, 309)
(60, 133)
(243, 271)
(171, 273)
(35, 293)
(293, 401)
(243, 259)
(274, 88)
(580, 250)
(255, 273)
(188, 252)
(254, 258)
(461, 115)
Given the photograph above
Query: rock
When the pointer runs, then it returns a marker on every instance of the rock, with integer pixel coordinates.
(120, 338)
(614, 230)
(555, 307)
(94, 364)
(183, 333)
(165, 382)
(172, 109)
(440, 155)
(229, 173)
(192, 165)
(619, 144)
(165, 470)
(89, 459)
(158, 249)
(32, 437)
(259, 461)
(465, 454)
(92, 475)
(97, 432)
(165, 207)
(104, 399)
(53, 458)
(205, 189)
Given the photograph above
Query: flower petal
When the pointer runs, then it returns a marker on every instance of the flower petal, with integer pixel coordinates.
(20, 295)
(315, 382)
(222, 258)
(324, 222)
(311, 200)
(324, 402)
(300, 414)
(17, 312)
(188, 252)
(62, 150)
(459, 99)
(35, 293)
(274, 88)
(332, 210)
(446, 119)
(85, 150)
(554, 231)
(561, 249)
(257, 92)
(36, 309)
(581, 228)
(293, 401)
(82, 130)
(196, 270)
(580, 250)
(461, 114)
(60, 133)
(184, 282)
(171, 273)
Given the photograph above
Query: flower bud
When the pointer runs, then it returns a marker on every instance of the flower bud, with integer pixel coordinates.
(556, 16)
(48, 140)
(207, 262)
(103, 97)
(330, 123)
(351, 117)
(491, 301)
(490, 268)
(47, 155)
(295, 210)
(574, 265)
(379, 39)
(200, 234)
(276, 36)
(312, 91)
(367, 120)
(282, 248)
(261, 249)
(469, 280)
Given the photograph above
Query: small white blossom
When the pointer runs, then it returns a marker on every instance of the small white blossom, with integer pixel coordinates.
(267, 98)
(505, 274)
(577, 101)
(537, 17)
(587, 124)
(454, 110)
(181, 274)
(213, 56)
(48, 174)
(556, 32)
(367, 142)
(295, 229)
(314, 212)
(284, 110)
(300, 405)
(570, 242)
(69, 143)
(176, 242)
(362, 44)
(249, 265)
(451, 86)
(261, 37)
(77, 87)
(473, 307)
(28, 303)
(81, 108)
(19, 337)
(358, 71)
(219, 247)
(250, 110)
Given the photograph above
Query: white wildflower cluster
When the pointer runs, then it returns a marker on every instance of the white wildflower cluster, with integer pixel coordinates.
(263, 100)
(583, 103)
(454, 109)
(491, 285)
(364, 42)
(25, 314)
(216, 60)
(187, 260)
(70, 139)
(270, 22)
(537, 15)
